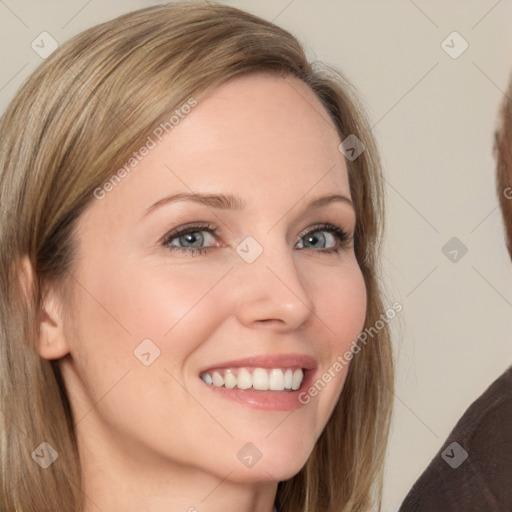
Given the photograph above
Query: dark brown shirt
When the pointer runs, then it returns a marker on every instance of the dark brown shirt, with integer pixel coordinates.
(472, 472)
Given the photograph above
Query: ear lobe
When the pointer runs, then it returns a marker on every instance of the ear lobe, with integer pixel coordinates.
(52, 343)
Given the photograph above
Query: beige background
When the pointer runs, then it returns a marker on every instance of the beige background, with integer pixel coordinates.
(434, 118)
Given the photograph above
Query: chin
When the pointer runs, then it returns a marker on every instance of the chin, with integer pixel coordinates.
(272, 466)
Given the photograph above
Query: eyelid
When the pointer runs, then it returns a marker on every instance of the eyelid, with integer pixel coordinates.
(187, 228)
(324, 226)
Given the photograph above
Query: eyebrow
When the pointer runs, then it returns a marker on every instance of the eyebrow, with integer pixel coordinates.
(231, 202)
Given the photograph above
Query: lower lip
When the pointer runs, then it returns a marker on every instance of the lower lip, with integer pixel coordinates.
(266, 400)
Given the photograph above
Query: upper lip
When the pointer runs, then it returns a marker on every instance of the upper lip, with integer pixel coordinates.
(268, 361)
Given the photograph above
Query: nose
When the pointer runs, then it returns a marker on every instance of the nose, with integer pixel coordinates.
(271, 292)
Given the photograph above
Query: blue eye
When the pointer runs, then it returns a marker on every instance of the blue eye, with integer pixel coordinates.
(315, 235)
(191, 239)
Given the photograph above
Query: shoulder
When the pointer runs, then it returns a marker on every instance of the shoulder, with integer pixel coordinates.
(487, 423)
(473, 468)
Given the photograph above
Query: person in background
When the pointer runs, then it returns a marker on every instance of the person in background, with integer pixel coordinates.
(472, 472)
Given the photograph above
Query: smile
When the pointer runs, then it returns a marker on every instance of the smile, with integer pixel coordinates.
(260, 379)
(271, 382)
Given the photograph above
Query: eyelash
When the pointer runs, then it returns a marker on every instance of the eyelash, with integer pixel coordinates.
(340, 234)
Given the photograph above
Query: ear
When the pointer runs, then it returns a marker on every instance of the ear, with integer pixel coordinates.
(52, 343)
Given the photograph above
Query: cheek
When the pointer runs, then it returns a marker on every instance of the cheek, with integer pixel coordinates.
(176, 307)
(147, 301)
(341, 308)
(341, 304)
(180, 306)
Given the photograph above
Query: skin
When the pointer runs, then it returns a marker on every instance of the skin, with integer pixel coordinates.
(154, 437)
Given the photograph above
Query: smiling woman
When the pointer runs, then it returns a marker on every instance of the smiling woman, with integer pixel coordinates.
(156, 341)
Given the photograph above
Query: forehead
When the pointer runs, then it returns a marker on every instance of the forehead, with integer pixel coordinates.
(262, 118)
(263, 136)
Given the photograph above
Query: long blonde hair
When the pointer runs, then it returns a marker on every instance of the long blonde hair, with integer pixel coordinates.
(78, 117)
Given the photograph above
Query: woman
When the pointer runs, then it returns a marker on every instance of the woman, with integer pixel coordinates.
(191, 316)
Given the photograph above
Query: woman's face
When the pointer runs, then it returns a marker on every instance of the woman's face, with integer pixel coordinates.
(170, 295)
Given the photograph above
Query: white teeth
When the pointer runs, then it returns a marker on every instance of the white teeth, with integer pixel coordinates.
(288, 377)
(218, 380)
(230, 380)
(276, 380)
(297, 379)
(261, 379)
(244, 379)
